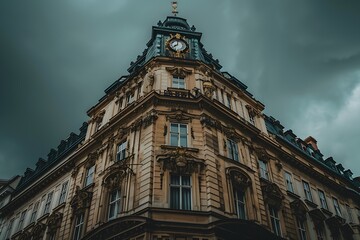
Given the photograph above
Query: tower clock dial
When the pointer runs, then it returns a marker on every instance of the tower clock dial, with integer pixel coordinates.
(177, 45)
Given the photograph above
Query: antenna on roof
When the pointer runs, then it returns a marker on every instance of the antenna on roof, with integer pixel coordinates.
(174, 8)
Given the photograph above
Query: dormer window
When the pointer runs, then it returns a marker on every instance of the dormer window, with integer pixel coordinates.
(178, 82)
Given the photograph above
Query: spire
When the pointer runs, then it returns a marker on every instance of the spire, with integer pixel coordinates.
(174, 8)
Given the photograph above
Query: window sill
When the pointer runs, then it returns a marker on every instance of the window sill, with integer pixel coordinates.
(170, 147)
(29, 226)
(310, 203)
(43, 217)
(292, 194)
(90, 186)
(60, 206)
(326, 211)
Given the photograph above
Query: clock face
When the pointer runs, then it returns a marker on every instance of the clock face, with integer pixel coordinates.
(177, 45)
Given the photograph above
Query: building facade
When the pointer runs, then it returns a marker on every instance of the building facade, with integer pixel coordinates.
(178, 150)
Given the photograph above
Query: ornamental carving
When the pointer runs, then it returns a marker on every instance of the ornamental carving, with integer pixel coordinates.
(252, 111)
(38, 231)
(299, 209)
(208, 88)
(54, 222)
(180, 161)
(262, 154)
(272, 194)
(91, 159)
(115, 174)
(81, 200)
(238, 178)
(209, 122)
(317, 216)
(179, 72)
(179, 115)
(150, 118)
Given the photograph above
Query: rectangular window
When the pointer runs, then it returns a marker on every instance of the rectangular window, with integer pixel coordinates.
(232, 148)
(178, 134)
(129, 98)
(178, 82)
(228, 102)
(322, 199)
(180, 192)
(79, 223)
(307, 191)
(48, 203)
(121, 151)
(264, 173)
(9, 229)
(275, 221)
(63, 192)
(301, 229)
(289, 184)
(34, 212)
(239, 197)
(89, 175)
(320, 232)
(348, 211)
(114, 204)
(337, 207)
(21, 221)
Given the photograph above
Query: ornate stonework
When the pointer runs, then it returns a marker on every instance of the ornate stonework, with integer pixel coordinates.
(272, 194)
(299, 208)
(115, 174)
(81, 200)
(54, 222)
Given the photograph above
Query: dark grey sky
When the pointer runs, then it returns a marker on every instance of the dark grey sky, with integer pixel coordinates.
(300, 58)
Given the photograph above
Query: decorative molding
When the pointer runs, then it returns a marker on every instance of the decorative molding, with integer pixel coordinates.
(178, 115)
(238, 177)
(38, 230)
(25, 235)
(91, 159)
(299, 208)
(179, 71)
(81, 200)
(115, 174)
(253, 111)
(262, 154)
(272, 194)
(54, 222)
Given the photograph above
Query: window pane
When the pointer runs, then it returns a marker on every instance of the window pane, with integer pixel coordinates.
(183, 141)
(175, 197)
(175, 180)
(186, 198)
(174, 127)
(174, 139)
(185, 180)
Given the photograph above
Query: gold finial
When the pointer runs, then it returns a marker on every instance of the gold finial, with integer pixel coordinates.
(174, 7)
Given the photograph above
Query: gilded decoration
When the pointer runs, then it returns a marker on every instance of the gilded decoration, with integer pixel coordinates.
(115, 174)
(299, 208)
(180, 53)
(54, 222)
(180, 160)
(179, 71)
(272, 194)
(81, 200)
(238, 178)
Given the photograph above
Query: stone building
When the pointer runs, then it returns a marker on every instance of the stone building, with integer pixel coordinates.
(178, 150)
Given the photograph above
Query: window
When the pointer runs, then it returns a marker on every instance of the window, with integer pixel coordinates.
(301, 229)
(239, 197)
(320, 232)
(289, 184)
(34, 212)
(121, 151)
(48, 203)
(63, 192)
(322, 198)
(21, 221)
(180, 192)
(9, 229)
(337, 207)
(178, 134)
(251, 118)
(228, 98)
(114, 204)
(348, 211)
(129, 98)
(52, 236)
(232, 148)
(178, 82)
(275, 221)
(263, 170)
(79, 223)
(307, 191)
(89, 175)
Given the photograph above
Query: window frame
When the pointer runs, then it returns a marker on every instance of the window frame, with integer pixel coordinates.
(116, 203)
(264, 172)
(301, 227)
(275, 220)
(21, 220)
(178, 80)
(241, 202)
(323, 202)
(336, 207)
(307, 192)
(63, 192)
(34, 212)
(179, 135)
(121, 150)
(78, 226)
(89, 175)
(48, 202)
(181, 188)
(289, 182)
(129, 98)
(232, 150)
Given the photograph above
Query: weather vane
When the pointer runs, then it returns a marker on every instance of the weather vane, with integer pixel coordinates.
(174, 7)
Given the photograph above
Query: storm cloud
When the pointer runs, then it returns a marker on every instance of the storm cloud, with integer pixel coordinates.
(300, 58)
